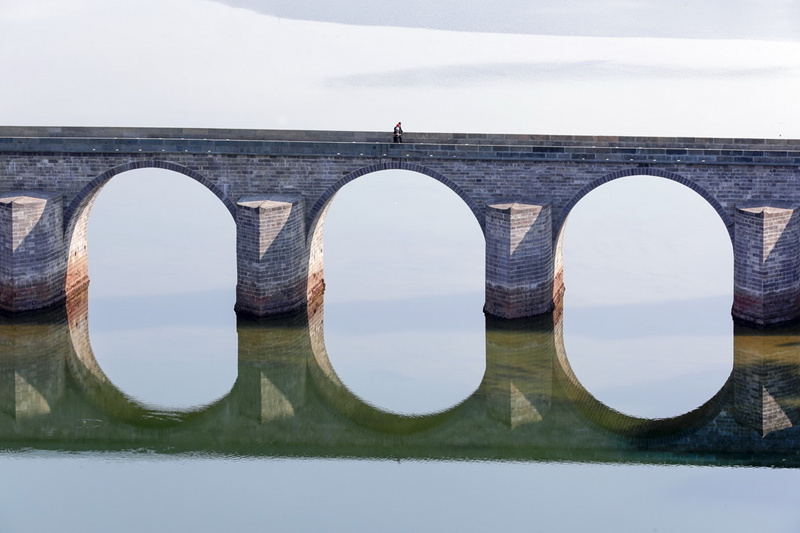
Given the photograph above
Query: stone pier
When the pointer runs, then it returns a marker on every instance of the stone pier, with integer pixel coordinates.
(33, 259)
(766, 266)
(519, 260)
(272, 262)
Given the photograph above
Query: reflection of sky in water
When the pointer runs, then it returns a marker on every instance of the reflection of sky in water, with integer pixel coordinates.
(317, 495)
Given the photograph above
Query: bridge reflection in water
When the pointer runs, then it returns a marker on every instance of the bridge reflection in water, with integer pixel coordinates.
(288, 401)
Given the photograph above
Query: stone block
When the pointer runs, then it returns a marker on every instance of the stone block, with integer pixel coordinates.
(33, 257)
(766, 265)
(519, 260)
(272, 264)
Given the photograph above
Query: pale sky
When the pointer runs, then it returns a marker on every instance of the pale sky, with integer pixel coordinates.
(699, 19)
(207, 64)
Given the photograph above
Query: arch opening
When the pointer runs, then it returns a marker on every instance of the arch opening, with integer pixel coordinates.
(76, 216)
(163, 286)
(648, 271)
(404, 282)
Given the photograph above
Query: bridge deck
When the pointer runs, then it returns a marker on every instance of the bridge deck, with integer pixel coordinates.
(418, 145)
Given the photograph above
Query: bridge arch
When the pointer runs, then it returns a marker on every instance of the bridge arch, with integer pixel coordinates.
(560, 219)
(90, 190)
(76, 215)
(318, 210)
(641, 171)
(316, 214)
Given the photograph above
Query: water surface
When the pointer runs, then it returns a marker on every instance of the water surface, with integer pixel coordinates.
(399, 406)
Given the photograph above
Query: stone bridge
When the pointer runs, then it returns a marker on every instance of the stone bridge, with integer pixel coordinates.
(278, 185)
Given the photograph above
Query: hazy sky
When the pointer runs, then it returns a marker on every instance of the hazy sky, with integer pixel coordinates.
(204, 63)
(698, 19)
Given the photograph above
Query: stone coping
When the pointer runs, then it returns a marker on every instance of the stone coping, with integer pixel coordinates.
(386, 137)
(420, 145)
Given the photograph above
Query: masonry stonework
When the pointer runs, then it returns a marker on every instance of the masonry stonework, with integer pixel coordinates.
(32, 253)
(519, 260)
(766, 265)
(271, 254)
(73, 164)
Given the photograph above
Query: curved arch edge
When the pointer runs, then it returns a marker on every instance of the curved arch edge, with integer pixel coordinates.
(76, 215)
(324, 199)
(81, 199)
(644, 171)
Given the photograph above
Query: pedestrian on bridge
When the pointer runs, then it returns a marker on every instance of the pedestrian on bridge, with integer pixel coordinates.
(398, 133)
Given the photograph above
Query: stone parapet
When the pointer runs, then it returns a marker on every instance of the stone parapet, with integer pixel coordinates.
(641, 155)
(417, 137)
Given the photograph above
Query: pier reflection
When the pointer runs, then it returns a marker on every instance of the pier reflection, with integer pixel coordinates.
(288, 401)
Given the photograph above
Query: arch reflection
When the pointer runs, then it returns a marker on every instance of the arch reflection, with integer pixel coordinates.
(287, 401)
(89, 377)
(32, 370)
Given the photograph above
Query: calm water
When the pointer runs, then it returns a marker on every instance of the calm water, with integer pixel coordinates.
(400, 408)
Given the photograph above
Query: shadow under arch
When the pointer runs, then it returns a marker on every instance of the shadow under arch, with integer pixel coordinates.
(640, 171)
(90, 379)
(631, 426)
(337, 395)
(76, 215)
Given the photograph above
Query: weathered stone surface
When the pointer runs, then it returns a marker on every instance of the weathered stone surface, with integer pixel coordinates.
(72, 164)
(32, 252)
(271, 257)
(519, 260)
(766, 265)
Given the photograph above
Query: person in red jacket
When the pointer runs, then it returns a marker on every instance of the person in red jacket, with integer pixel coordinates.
(398, 134)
